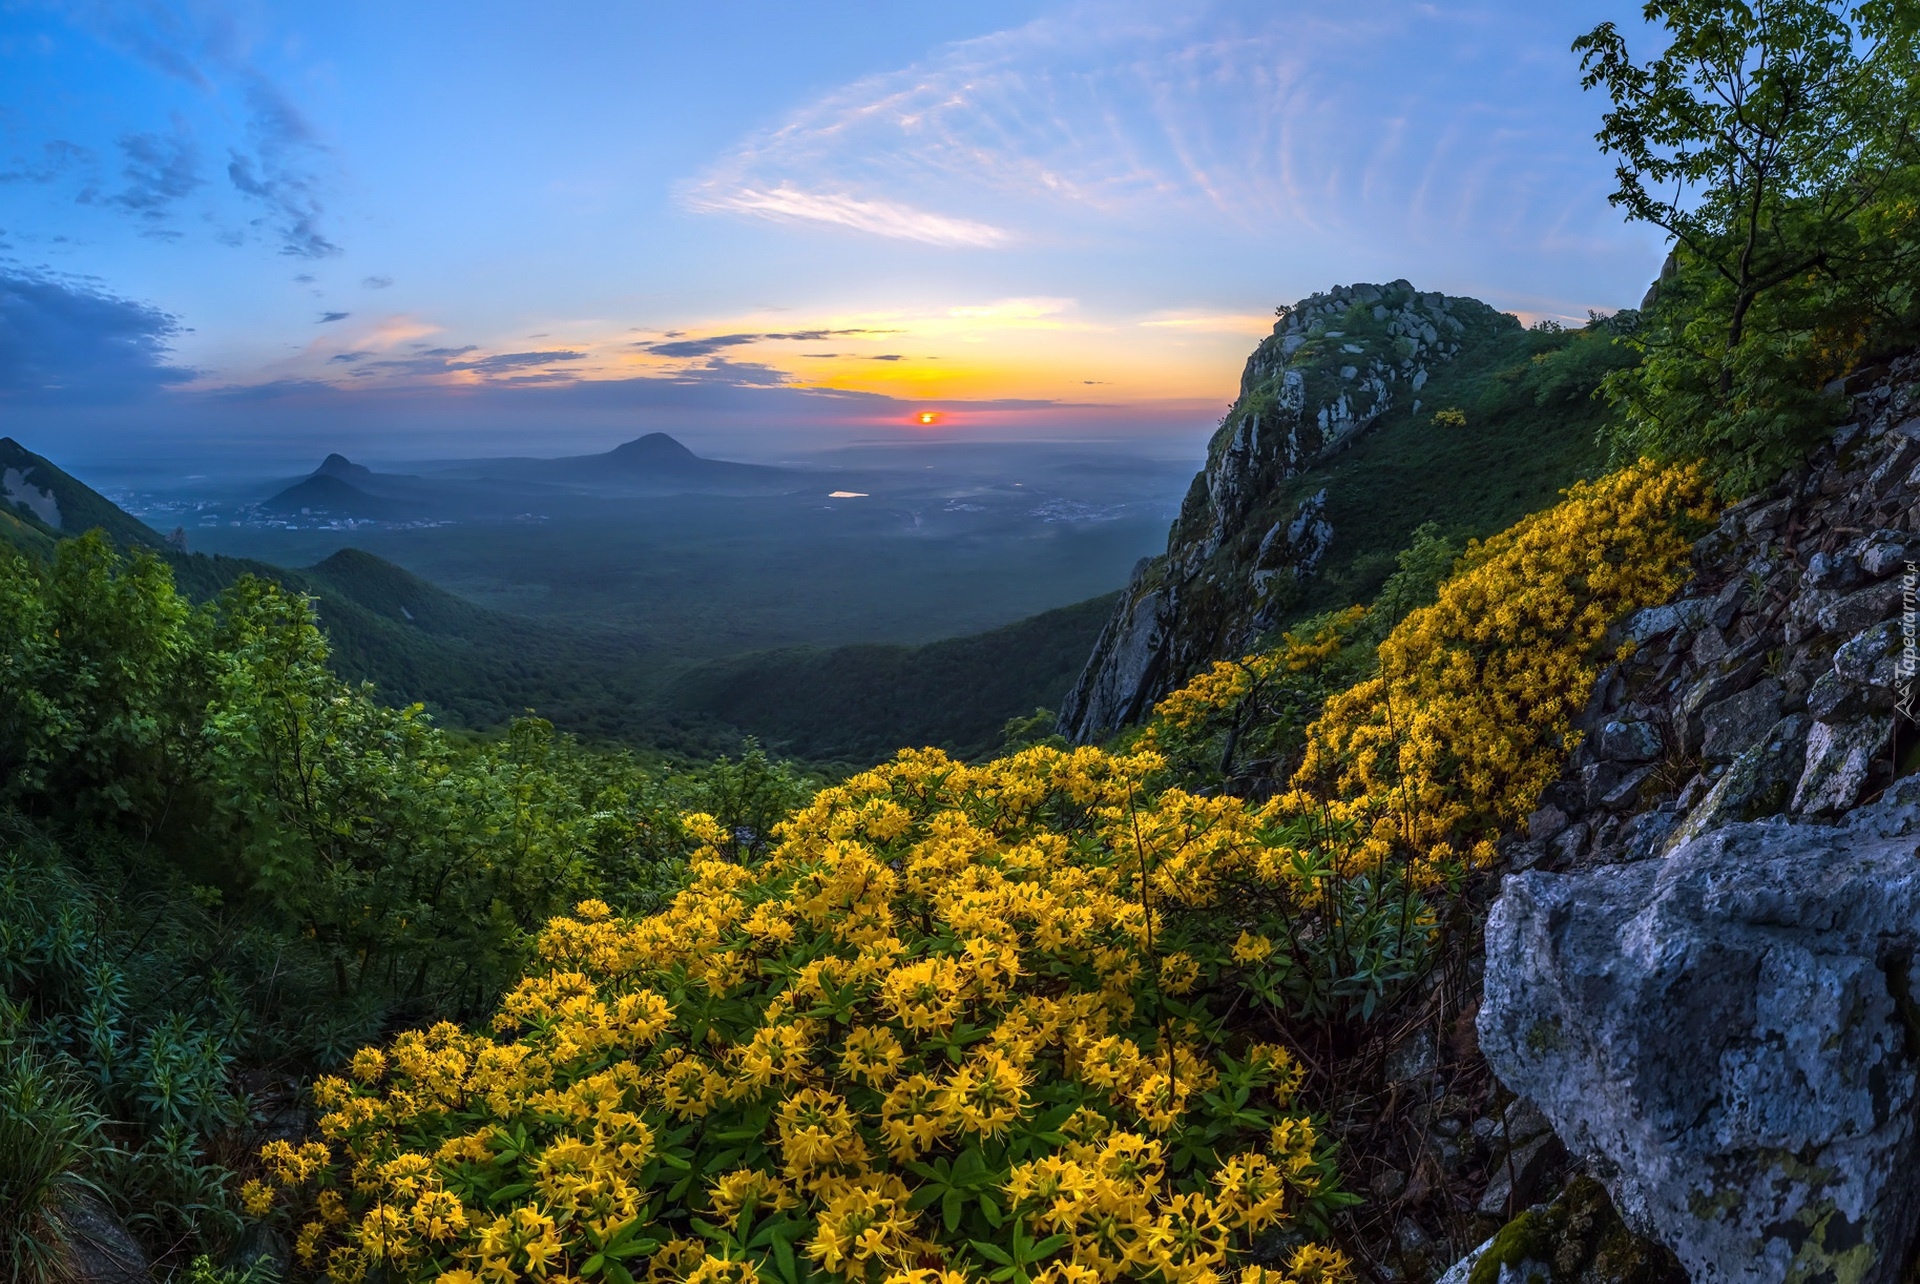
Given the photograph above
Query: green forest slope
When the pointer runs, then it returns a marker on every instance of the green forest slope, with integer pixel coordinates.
(477, 668)
(849, 703)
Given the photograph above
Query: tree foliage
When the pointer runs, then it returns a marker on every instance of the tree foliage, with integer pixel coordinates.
(1775, 143)
(221, 867)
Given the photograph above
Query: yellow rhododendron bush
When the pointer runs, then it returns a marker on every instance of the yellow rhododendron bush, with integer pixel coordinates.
(945, 1030)
(1469, 714)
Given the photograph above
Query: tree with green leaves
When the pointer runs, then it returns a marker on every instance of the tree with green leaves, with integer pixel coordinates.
(1775, 143)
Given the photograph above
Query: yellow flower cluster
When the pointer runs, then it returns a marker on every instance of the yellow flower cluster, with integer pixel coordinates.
(1230, 681)
(1469, 716)
(934, 1034)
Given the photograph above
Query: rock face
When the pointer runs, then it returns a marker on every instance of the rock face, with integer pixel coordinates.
(1705, 977)
(1334, 364)
(1576, 1239)
(1731, 1032)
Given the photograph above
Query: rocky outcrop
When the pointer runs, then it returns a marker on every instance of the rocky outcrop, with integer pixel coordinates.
(1704, 975)
(100, 1249)
(1576, 1239)
(1245, 539)
(1729, 1034)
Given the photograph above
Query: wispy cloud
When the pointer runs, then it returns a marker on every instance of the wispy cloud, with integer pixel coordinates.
(880, 217)
(1390, 121)
(738, 374)
(279, 170)
(676, 346)
(325, 317)
(56, 158)
(276, 160)
(160, 170)
(376, 282)
(516, 361)
(441, 361)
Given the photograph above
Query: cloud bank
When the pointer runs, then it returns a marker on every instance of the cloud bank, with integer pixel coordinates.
(67, 341)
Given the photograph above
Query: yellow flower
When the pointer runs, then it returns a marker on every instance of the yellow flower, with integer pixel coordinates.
(866, 1221)
(1251, 948)
(872, 1055)
(257, 1198)
(1178, 973)
(369, 1064)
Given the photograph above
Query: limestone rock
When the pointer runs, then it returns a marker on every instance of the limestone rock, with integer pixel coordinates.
(1871, 657)
(1123, 666)
(1884, 552)
(1655, 621)
(1519, 1175)
(1731, 726)
(102, 1250)
(1857, 610)
(1833, 570)
(1839, 762)
(1726, 1035)
(1760, 782)
(1630, 742)
(1335, 363)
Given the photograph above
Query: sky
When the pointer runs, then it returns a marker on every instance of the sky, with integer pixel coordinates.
(425, 230)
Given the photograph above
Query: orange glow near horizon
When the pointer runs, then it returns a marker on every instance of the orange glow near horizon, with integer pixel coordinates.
(1035, 350)
(927, 418)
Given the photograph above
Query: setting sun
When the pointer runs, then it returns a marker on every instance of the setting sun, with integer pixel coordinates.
(929, 417)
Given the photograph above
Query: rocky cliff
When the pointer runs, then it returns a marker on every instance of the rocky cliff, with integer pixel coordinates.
(1704, 971)
(1270, 512)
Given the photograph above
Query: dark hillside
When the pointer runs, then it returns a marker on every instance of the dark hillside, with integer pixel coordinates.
(861, 703)
(328, 493)
(42, 498)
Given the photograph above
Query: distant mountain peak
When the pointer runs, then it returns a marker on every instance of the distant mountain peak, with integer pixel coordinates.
(338, 465)
(654, 447)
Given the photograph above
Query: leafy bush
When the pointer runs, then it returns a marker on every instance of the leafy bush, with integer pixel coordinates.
(1468, 717)
(221, 868)
(1411, 733)
(961, 1019)
(1247, 718)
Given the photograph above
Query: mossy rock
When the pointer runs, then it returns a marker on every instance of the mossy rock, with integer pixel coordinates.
(1577, 1239)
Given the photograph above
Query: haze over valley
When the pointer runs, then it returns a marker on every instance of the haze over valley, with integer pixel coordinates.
(900, 542)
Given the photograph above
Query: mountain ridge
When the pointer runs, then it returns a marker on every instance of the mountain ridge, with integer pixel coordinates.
(1335, 450)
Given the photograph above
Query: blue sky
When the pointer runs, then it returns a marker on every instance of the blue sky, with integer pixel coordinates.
(426, 229)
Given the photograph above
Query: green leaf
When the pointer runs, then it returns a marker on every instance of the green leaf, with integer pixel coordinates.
(991, 1252)
(783, 1260)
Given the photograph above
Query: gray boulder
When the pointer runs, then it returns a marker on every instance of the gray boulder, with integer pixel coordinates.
(1760, 782)
(1839, 762)
(1734, 724)
(1630, 742)
(1728, 1036)
(101, 1249)
(1884, 552)
(1856, 611)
